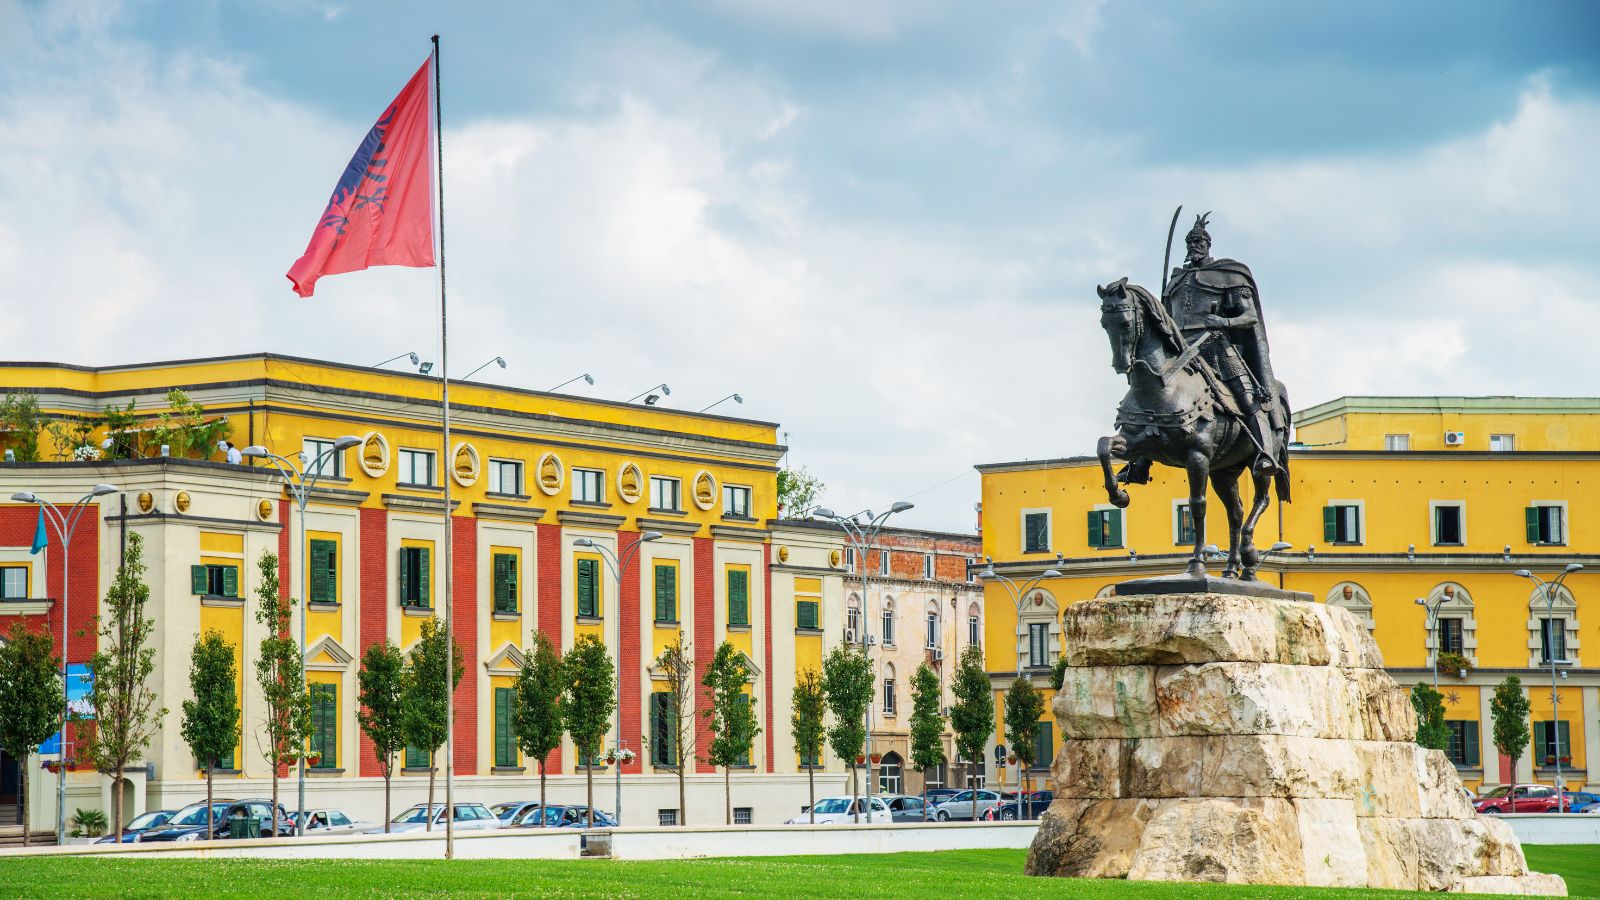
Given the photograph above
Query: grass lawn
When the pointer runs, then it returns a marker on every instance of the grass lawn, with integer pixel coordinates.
(958, 873)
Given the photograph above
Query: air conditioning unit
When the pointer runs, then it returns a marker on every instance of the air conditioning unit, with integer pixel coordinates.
(872, 640)
(850, 636)
(938, 656)
(1455, 438)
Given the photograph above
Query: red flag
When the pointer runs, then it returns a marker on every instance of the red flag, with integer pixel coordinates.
(381, 212)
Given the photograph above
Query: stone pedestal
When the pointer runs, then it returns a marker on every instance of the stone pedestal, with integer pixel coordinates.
(1226, 738)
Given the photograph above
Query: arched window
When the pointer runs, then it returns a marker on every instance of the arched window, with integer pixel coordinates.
(1354, 599)
(852, 619)
(1038, 630)
(930, 634)
(1456, 629)
(891, 773)
(888, 621)
(974, 626)
(1552, 627)
(889, 687)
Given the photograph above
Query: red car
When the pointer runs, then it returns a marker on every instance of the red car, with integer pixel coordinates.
(1531, 798)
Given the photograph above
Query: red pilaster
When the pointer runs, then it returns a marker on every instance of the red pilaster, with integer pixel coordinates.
(766, 628)
(630, 665)
(705, 644)
(549, 611)
(464, 622)
(17, 524)
(285, 578)
(373, 616)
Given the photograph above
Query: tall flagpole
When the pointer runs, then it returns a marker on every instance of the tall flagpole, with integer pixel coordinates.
(446, 466)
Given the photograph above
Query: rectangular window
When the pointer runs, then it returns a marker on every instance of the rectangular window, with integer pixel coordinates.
(417, 758)
(1038, 645)
(850, 560)
(1447, 523)
(738, 596)
(736, 501)
(666, 593)
(852, 620)
(416, 576)
(1546, 524)
(1553, 640)
(888, 696)
(888, 627)
(325, 726)
(665, 494)
(505, 732)
(1044, 747)
(972, 576)
(1036, 532)
(663, 730)
(927, 566)
(1450, 635)
(1463, 746)
(805, 614)
(931, 638)
(1393, 442)
(1341, 524)
(1105, 528)
(1502, 443)
(331, 465)
(1548, 746)
(741, 815)
(324, 571)
(588, 588)
(211, 580)
(505, 476)
(415, 467)
(505, 582)
(973, 634)
(666, 818)
(588, 486)
(1184, 531)
(883, 562)
(14, 583)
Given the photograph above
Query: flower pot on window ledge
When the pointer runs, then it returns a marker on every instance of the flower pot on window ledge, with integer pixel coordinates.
(1549, 760)
(877, 758)
(1454, 664)
(1566, 760)
(861, 760)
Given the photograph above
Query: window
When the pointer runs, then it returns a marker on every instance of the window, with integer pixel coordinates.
(738, 596)
(1447, 524)
(1341, 523)
(416, 579)
(505, 733)
(1105, 528)
(324, 571)
(588, 588)
(852, 619)
(505, 582)
(931, 638)
(888, 696)
(1502, 443)
(666, 818)
(213, 580)
(324, 726)
(1546, 524)
(1038, 644)
(1450, 635)
(1394, 442)
(330, 466)
(883, 562)
(1548, 746)
(1036, 532)
(805, 613)
(416, 467)
(589, 486)
(417, 758)
(736, 501)
(1044, 748)
(663, 730)
(850, 560)
(665, 493)
(888, 623)
(666, 593)
(741, 815)
(14, 583)
(1183, 530)
(1553, 640)
(973, 634)
(971, 575)
(505, 476)
(1462, 748)
(891, 775)
(927, 566)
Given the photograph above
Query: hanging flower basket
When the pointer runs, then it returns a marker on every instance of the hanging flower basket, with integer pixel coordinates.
(861, 760)
(877, 758)
(1566, 760)
(615, 756)
(1011, 760)
(1549, 760)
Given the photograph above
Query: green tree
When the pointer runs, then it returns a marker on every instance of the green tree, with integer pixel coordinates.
(21, 421)
(383, 710)
(847, 680)
(1509, 710)
(184, 428)
(1431, 730)
(30, 703)
(675, 722)
(972, 716)
(1024, 707)
(122, 691)
(279, 672)
(1058, 673)
(541, 697)
(810, 706)
(211, 718)
(927, 726)
(797, 491)
(427, 699)
(591, 698)
(731, 715)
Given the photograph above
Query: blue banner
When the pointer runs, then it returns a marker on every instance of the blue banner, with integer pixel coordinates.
(78, 683)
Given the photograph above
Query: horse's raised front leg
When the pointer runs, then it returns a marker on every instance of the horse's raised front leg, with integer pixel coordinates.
(1226, 483)
(1198, 467)
(1113, 445)
(1248, 552)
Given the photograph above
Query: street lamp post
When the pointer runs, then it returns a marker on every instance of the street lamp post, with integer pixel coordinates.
(1433, 630)
(1550, 588)
(66, 523)
(618, 564)
(300, 481)
(861, 530)
(1018, 594)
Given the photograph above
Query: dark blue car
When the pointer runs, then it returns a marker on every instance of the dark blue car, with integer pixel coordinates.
(140, 824)
(561, 817)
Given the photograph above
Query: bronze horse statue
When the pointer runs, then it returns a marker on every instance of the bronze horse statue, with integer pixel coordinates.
(1173, 415)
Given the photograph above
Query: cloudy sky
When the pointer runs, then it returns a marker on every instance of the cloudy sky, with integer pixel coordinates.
(881, 222)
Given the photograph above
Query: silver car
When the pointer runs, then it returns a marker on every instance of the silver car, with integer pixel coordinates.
(959, 808)
(332, 821)
(469, 817)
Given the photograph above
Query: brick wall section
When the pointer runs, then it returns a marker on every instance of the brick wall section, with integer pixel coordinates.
(630, 664)
(549, 604)
(286, 581)
(766, 627)
(705, 644)
(373, 615)
(464, 622)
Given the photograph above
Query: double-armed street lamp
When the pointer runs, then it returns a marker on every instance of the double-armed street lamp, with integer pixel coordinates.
(1551, 589)
(1433, 630)
(1018, 593)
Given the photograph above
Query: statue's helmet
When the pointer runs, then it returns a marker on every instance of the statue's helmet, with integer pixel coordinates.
(1198, 232)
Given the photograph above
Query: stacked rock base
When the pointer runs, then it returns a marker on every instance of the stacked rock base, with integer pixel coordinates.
(1222, 738)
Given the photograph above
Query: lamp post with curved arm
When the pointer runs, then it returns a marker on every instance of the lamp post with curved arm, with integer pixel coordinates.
(1018, 594)
(300, 481)
(618, 564)
(1550, 588)
(66, 523)
(1433, 630)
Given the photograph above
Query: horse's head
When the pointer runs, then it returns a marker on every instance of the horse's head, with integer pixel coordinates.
(1119, 316)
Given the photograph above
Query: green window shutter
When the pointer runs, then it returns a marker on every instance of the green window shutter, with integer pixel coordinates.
(199, 582)
(1469, 736)
(666, 587)
(424, 581)
(738, 597)
(1096, 539)
(511, 583)
(1531, 516)
(806, 614)
(403, 565)
(505, 753)
(657, 748)
(586, 572)
(325, 725)
(230, 581)
(501, 593)
(324, 572)
(1330, 523)
(1114, 523)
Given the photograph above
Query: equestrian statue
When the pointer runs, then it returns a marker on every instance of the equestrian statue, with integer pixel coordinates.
(1201, 393)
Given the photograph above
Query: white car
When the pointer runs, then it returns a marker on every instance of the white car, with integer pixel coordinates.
(841, 810)
(332, 821)
(469, 817)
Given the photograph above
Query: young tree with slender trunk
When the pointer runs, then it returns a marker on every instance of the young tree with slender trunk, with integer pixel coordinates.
(282, 678)
(927, 726)
(211, 718)
(847, 680)
(1432, 732)
(731, 713)
(382, 712)
(807, 722)
(972, 716)
(30, 703)
(1509, 710)
(427, 698)
(541, 698)
(1024, 707)
(122, 691)
(591, 698)
(674, 723)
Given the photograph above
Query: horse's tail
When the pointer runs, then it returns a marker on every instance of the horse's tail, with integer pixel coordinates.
(1280, 479)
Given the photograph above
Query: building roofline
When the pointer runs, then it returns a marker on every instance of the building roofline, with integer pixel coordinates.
(1451, 405)
(1298, 452)
(819, 525)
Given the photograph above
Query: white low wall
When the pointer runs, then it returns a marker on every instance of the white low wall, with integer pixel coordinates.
(1555, 828)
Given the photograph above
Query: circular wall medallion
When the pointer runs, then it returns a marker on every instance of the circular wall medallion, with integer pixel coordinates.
(264, 510)
(465, 467)
(630, 483)
(833, 558)
(147, 501)
(181, 501)
(374, 454)
(783, 554)
(551, 474)
(705, 490)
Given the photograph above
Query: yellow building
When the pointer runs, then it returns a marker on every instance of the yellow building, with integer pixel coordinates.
(1396, 499)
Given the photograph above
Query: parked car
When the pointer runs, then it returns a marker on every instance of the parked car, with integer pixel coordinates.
(960, 807)
(907, 808)
(332, 821)
(842, 811)
(560, 816)
(1530, 798)
(511, 809)
(468, 817)
(141, 823)
(229, 818)
(937, 796)
(1581, 801)
(1032, 806)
